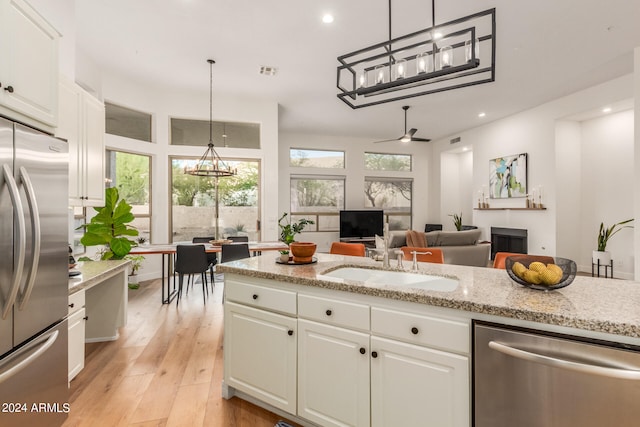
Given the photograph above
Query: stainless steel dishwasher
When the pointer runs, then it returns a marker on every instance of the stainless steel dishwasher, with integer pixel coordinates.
(528, 378)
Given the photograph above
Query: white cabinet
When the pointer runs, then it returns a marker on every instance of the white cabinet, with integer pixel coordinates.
(333, 375)
(76, 333)
(411, 384)
(29, 66)
(82, 124)
(260, 354)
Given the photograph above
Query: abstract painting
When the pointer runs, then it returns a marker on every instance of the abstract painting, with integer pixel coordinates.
(508, 176)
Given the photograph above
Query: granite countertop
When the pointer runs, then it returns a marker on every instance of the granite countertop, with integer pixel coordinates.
(94, 272)
(593, 304)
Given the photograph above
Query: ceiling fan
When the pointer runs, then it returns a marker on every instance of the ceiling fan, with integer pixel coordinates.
(408, 135)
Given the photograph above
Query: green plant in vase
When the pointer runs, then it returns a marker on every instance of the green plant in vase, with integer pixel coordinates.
(457, 221)
(288, 230)
(110, 228)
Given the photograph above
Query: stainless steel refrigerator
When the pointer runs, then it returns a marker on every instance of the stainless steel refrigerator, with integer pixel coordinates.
(33, 277)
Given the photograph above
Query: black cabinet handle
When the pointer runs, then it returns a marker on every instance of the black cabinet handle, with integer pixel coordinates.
(9, 89)
(362, 350)
(374, 354)
(328, 312)
(86, 317)
(290, 332)
(71, 305)
(414, 331)
(255, 296)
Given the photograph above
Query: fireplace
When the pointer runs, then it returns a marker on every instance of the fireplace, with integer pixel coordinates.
(508, 240)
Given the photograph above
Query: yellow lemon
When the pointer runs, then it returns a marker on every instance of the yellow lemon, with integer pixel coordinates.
(531, 276)
(549, 276)
(518, 268)
(537, 266)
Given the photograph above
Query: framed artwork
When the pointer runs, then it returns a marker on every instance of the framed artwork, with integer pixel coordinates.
(508, 176)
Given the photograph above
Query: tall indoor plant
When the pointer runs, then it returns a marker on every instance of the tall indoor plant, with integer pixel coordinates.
(110, 227)
(604, 234)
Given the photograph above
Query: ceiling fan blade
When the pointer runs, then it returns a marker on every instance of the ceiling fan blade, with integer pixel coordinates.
(411, 132)
(387, 140)
(420, 139)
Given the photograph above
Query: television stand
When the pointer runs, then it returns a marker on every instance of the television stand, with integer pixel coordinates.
(369, 242)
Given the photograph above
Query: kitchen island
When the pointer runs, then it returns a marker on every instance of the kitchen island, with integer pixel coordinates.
(335, 351)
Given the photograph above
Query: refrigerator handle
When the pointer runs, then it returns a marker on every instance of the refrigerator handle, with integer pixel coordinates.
(28, 355)
(35, 237)
(20, 238)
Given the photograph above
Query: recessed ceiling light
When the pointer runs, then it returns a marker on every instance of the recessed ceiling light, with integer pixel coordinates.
(606, 110)
(481, 115)
(268, 70)
(327, 18)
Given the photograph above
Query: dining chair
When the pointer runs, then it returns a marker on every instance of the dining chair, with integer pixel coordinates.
(234, 251)
(433, 255)
(343, 248)
(238, 238)
(191, 259)
(211, 257)
(500, 257)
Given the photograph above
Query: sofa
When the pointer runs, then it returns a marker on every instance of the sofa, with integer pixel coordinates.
(458, 247)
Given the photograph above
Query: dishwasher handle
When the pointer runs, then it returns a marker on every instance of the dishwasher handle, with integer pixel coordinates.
(627, 374)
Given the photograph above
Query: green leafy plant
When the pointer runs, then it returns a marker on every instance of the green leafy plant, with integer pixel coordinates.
(606, 233)
(288, 230)
(457, 221)
(109, 227)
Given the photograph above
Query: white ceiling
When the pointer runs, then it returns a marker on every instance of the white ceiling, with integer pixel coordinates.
(545, 49)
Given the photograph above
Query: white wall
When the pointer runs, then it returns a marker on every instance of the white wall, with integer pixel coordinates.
(355, 172)
(534, 132)
(456, 174)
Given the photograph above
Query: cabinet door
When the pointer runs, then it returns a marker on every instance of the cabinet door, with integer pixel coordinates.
(76, 342)
(333, 375)
(70, 108)
(260, 355)
(93, 140)
(413, 385)
(29, 62)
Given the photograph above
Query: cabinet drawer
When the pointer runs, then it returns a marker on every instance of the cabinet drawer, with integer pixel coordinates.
(334, 312)
(262, 297)
(76, 301)
(447, 334)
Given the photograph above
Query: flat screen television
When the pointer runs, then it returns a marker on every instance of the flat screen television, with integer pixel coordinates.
(361, 224)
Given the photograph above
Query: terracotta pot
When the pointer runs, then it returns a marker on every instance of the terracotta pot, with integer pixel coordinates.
(302, 251)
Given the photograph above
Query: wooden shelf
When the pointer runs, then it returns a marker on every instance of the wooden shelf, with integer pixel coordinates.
(510, 209)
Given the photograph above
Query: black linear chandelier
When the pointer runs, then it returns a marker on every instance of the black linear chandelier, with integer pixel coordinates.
(210, 164)
(447, 56)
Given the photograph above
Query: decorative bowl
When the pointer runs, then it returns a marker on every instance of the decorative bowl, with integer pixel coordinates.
(568, 267)
(302, 251)
(219, 242)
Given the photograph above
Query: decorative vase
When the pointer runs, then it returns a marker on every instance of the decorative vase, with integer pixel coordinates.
(284, 257)
(302, 251)
(603, 256)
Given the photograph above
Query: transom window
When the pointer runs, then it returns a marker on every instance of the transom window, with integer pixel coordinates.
(387, 162)
(304, 158)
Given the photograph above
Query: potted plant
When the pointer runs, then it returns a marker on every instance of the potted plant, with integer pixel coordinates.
(110, 228)
(457, 221)
(284, 256)
(288, 230)
(136, 263)
(604, 234)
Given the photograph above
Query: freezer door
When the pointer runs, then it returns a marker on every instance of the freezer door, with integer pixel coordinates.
(33, 381)
(41, 171)
(6, 234)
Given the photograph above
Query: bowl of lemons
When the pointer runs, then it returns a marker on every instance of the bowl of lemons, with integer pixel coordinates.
(542, 273)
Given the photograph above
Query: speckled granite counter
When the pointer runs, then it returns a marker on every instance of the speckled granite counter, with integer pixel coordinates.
(592, 304)
(95, 272)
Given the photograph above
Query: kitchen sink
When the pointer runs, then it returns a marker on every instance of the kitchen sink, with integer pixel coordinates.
(392, 278)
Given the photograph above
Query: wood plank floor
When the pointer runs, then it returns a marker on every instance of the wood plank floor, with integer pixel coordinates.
(164, 370)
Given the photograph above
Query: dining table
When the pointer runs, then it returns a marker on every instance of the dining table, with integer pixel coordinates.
(168, 251)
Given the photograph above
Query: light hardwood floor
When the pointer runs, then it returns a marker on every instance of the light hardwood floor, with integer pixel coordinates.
(164, 370)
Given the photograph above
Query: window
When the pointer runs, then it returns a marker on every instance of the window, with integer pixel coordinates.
(130, 173)
(394, 196)
(387, 162)
(125, 122)
(225, 134)
(319, 198)
(193, 210)
(316, 158)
